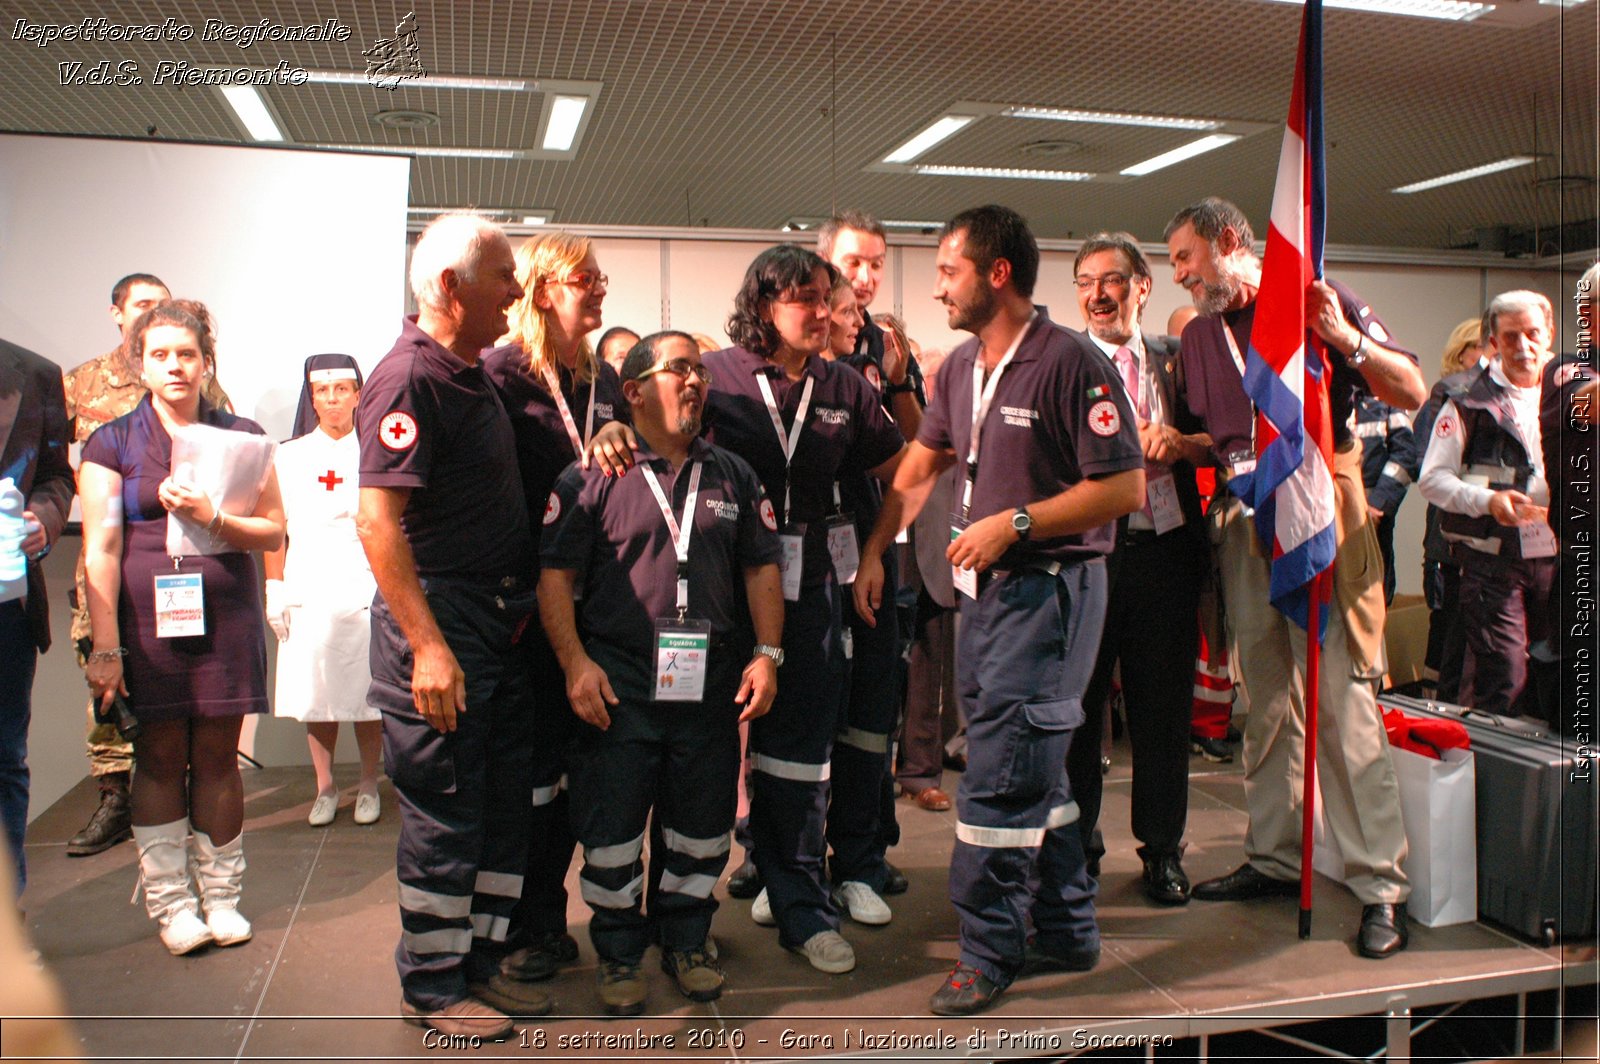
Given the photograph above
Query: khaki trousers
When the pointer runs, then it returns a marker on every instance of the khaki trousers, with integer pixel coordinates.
(1359, 791)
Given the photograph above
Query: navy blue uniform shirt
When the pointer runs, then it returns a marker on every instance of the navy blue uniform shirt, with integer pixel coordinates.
(1059, 414)
(430, 422)
(543, 447)
(1215, 387)
(610, 531)
(846, 432)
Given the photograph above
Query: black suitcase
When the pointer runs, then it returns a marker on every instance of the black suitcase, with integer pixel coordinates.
(1536, 823)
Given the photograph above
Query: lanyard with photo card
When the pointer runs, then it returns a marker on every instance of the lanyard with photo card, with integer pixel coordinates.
(791, 537)
(965, 580)
(552, 380)
(1537, 540)
(1161, 496)
(682, 645)
(843, 546)
(683, 649)
(180, 603)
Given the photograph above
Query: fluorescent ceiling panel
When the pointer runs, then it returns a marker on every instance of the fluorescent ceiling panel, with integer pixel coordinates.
(428, 150)
(428, 81)
(1112, 118)
(1179, 154)
(946, 127)
(1449, 10)
(1001, 171)
(252, 112)
(566, 116)
(1509, 163)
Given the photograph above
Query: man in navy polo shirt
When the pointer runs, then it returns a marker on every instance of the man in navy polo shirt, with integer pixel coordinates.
(446, 529)
(670, 611)
(1210, 247)
(1052, 458)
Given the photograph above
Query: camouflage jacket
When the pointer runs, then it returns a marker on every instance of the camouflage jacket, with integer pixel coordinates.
(105, 388)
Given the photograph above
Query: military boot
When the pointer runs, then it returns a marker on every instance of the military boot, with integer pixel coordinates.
(110, 823)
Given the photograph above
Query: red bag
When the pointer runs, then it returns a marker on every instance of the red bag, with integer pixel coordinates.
(1427, 737)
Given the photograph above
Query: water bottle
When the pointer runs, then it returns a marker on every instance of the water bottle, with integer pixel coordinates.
(13, 530)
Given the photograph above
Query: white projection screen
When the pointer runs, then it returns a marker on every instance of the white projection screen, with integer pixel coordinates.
(295, 252)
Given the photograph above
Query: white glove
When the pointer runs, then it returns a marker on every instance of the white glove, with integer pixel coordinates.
(278, 609)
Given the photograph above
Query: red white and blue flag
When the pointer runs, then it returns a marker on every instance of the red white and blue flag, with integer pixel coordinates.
(1286, 369)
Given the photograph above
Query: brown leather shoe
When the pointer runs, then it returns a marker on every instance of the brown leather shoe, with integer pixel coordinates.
(468, 1017)
(932, 799)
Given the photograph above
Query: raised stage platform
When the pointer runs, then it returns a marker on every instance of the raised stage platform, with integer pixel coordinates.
(318, 980)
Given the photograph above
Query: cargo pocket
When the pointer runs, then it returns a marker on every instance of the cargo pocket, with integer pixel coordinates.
(416, 755)
(1039, 753)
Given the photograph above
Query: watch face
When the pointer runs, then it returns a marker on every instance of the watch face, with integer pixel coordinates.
(1021, 522)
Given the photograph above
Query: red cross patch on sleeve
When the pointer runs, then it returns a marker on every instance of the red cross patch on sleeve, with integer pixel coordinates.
(768, 517)
(552, 509)
(398, 430)
(1104, 419)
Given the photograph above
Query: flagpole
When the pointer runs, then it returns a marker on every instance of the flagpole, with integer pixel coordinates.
(1308, 800)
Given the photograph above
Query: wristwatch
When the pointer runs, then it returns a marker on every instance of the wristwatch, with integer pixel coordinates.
(1355, 358)
(1021, 523)
(775, 653)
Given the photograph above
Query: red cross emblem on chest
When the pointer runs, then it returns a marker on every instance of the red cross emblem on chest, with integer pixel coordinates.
(329, 479)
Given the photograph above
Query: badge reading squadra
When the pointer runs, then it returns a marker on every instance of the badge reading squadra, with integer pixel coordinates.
(398, 430)
(768, 518)
(1104, 419)
(552, 509)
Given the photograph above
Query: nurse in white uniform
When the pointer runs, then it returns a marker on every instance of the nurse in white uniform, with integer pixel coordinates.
(320, 587)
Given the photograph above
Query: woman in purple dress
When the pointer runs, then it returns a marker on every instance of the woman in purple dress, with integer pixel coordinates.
(190, 690)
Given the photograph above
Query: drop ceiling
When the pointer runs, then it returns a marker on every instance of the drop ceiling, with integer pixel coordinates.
(746, 113)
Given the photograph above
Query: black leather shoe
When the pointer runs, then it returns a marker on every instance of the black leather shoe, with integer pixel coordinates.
(1164, 881)
(1244, 883)
(1037, 961)
(965, 991)
(546, 953)
(745, 881)
(1383, 930)
(897, 883)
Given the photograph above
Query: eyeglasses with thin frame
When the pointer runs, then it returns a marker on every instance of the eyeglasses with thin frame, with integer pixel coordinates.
(680, 368)
(1109, 280)
(582, 281)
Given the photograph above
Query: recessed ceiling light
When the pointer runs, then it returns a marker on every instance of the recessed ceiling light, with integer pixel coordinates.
(946, 127)
(1178, 155)
(406, 119)
(252, 112)
(427, 81)
(1449, 10)
(536, 219)
(435, 151)
(1509, 163)
(1111, 118)
(561, 126)
(1001, 171)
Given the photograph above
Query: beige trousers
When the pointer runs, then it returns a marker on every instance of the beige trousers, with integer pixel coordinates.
(1360, 794)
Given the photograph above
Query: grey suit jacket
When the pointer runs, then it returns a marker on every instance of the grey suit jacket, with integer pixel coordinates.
(33, 453)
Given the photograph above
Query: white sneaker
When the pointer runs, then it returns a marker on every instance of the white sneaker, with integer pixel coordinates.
(322, 810)
(182, 931)
(368, 808)
(761, 910)
(828, 952)
(862, 903)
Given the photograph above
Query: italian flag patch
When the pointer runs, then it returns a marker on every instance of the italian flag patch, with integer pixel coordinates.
(1099, 391)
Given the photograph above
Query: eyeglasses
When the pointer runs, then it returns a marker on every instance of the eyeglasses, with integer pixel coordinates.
(582, 281)
(1110, 280)
(680, 368)
(809, 300)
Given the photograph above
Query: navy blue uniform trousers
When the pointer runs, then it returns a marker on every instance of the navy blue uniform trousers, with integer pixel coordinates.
(1026, 652)
(463, 794)
(543, 908)
(679, 760)
(790, 757)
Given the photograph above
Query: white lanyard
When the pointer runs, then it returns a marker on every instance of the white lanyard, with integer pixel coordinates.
(791, 439)
(553, 380)
(679, 534)
(982, 396)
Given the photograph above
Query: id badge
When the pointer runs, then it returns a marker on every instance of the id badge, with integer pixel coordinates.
(180, 605)
(792, 540)
(683, 649)
(843, 547)
(1538, 541)
(965, 580)
(1161, 493)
